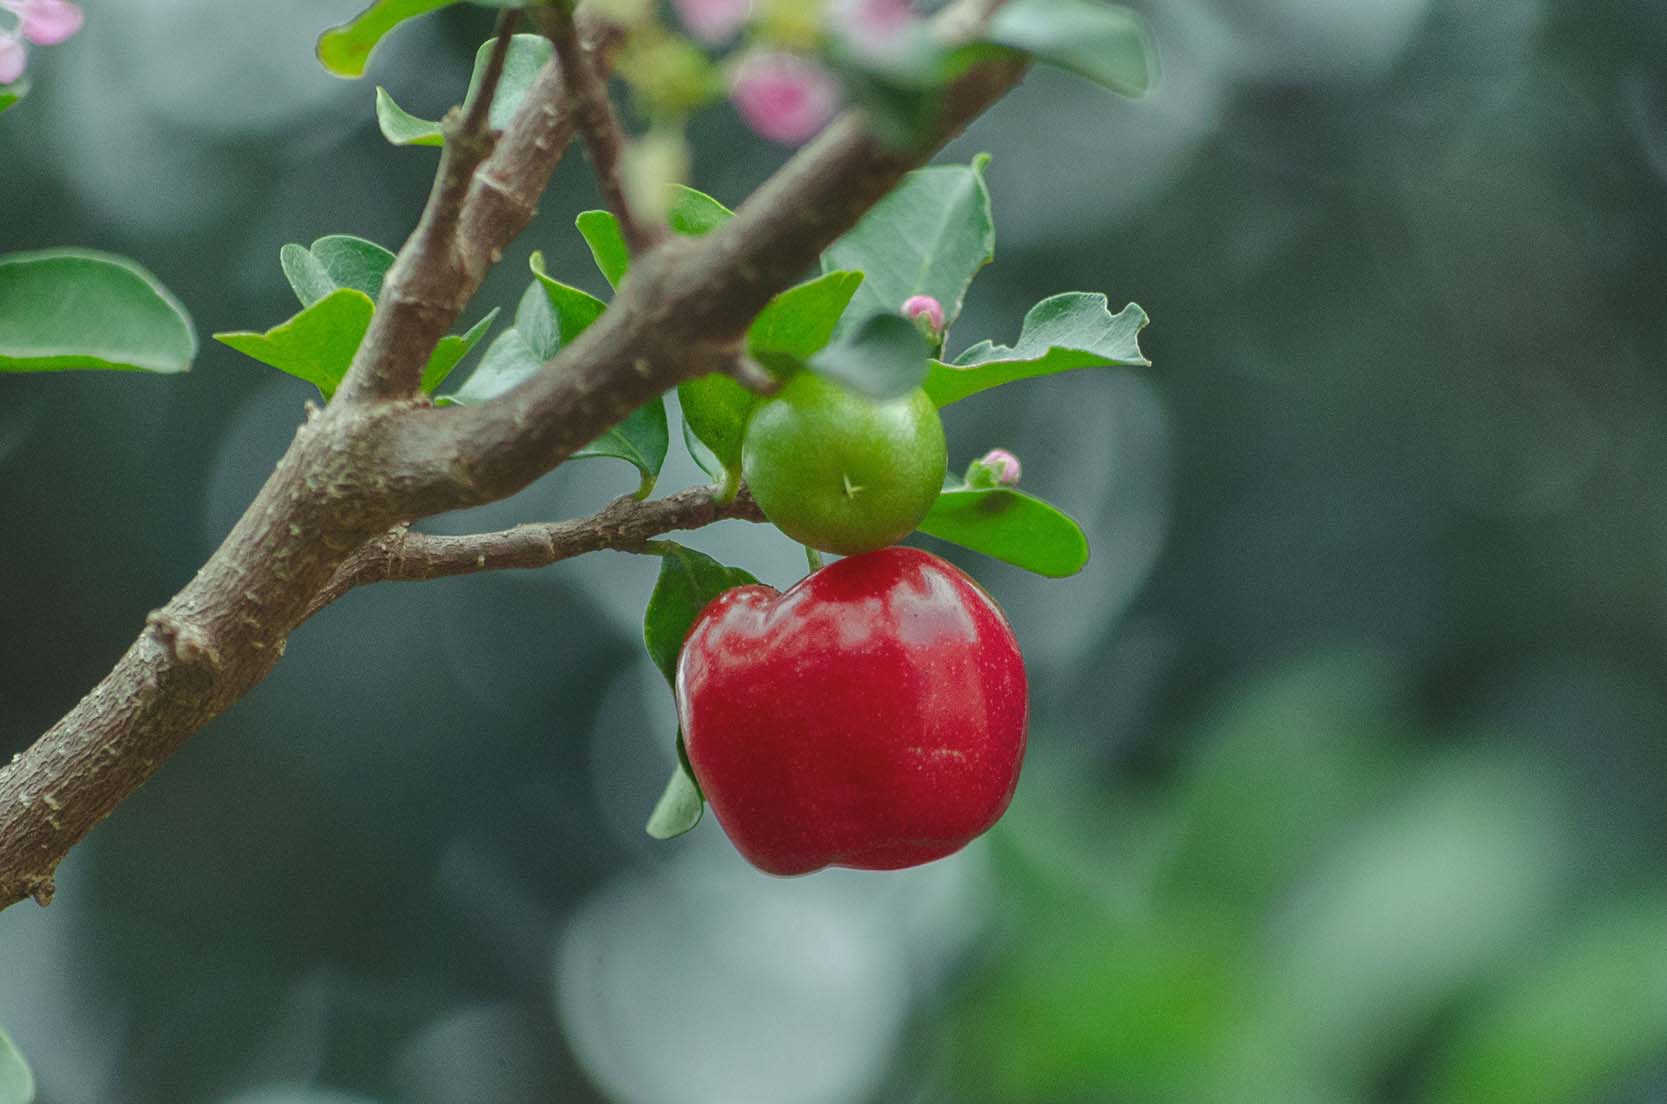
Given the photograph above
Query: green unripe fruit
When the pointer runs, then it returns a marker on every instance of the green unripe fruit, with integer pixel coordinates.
(842, 472)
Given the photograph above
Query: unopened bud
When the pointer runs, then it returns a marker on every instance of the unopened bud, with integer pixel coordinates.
(927, 313)
(45, 22)
(784, 97)
(996, 468)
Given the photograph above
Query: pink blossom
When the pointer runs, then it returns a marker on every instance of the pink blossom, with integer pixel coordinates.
(875, 25)
(784, 97)
(713, 21)
(927, 312)
(996, 468)
(45, 22)
(13, 58)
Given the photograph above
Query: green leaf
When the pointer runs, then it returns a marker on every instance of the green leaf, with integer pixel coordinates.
(801, 320)
(451, 349)
(1592, 1011)
(63, 309)
(715, 412)
(574, 310)
(695, 213)
(1106, 43)
(688, 581)
(928, 237)
(883, 357)
(17, 1081)
(607, 245)
(345, 50)
(703, 455)
(643, 439)
(333, 262)
(1061, 333)
(1011, 526)
(316, 345)
(12, 93)
(527, 55)
(681, 804)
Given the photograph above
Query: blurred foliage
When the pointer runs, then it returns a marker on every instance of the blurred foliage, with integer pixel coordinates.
(1348, 778)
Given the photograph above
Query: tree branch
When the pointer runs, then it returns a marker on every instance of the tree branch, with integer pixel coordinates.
(379, 456)
(626, 525)
(587, 92)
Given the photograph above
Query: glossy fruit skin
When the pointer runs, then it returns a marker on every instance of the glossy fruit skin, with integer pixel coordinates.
(872, 716)
(842, 472)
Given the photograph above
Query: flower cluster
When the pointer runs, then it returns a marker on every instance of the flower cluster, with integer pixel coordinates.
(778, 86)
(41, 22)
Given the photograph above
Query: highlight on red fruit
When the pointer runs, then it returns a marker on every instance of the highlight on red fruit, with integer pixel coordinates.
(872, 716)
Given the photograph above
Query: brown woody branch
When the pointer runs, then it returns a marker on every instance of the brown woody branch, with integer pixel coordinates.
(598, 124)
(379, 456)
(626, 525)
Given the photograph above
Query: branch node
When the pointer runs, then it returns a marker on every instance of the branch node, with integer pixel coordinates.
(189, 644)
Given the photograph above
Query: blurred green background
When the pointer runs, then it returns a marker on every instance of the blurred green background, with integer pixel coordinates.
(1348, 778)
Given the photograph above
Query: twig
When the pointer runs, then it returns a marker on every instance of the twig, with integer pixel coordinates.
(401, 555)
(598, 124)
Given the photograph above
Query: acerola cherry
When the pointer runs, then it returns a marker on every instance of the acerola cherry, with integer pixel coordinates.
(842, 472)
(873, 716)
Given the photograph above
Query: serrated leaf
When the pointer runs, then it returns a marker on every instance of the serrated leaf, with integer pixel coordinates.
(333, 262)
(883, 357)
(527, 55)
(1106, 43)
(400, 127)
(451, 349)
(11, 93)
(930, 236)
(688, 581)
(1592, 1010)
(1061, 333)
(607, 245)
(71, 309)
(317, 344)
(1011, 526)
(574, 309)
(680, 806)
(17, 1081)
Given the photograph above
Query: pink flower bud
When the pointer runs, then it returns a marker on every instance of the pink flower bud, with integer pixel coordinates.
(996, 468)
(45, 22)
(713, 21)
(875, 25)
(14, 58)
(784, 97)
(926, 312)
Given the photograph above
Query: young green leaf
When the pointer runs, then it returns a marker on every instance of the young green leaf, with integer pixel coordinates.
(1106, 43)
(64, 309)
(332, 262)
(715, 411)
(607, 245)
(1061, 333)
(694, 213)
(451, 349)
(17, 1081)
(574, 309)
(345, 50)
(316, 345)
(681, 803)
(11, 93)
(801, 320)
(883, 357)
(928, 237)
(527, 54)
(1011, 526)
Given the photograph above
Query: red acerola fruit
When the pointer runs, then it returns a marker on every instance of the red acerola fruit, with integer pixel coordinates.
(872, 716)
